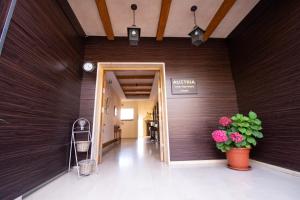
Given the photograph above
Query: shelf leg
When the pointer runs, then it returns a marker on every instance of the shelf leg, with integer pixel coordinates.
(70, 156)
(76, 156)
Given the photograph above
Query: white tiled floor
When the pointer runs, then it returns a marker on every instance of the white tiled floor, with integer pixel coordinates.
(132, 171)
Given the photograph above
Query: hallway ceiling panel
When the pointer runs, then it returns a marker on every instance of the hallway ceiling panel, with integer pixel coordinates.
(136, 84)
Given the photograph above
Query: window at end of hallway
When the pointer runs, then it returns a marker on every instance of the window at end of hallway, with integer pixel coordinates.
(127, 113)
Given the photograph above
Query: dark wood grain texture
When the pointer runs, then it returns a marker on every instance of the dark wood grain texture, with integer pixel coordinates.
(40, 91)
(191, 117)
(265, 57)
(65, 6)
(87, 97)
(4, 8)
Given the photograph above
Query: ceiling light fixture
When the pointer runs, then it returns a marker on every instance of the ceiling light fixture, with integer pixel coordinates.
(133, 31)
(88, 67)
(197, 33)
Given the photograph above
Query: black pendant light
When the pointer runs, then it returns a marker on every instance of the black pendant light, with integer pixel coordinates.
(133, 31)
(197, 33)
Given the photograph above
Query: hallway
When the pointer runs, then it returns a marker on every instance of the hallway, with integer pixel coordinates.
(132, 170)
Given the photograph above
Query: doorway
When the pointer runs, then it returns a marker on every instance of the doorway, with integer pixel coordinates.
(99, 105)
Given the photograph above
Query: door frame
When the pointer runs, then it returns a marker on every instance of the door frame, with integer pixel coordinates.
(96, 151)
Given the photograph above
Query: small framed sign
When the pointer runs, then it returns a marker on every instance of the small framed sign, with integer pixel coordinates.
(184, 86)
(6, 11)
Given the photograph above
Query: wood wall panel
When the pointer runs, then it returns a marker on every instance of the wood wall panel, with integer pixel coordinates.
(265, 56)
(209, 64)
(40, 89)
(65, 6)
(87, 98)
(193, 124)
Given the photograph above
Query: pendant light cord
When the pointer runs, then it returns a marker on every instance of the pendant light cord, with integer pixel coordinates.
(133, 17)
(195, 19)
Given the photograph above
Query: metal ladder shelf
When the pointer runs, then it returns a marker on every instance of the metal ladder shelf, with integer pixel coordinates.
(80, 126)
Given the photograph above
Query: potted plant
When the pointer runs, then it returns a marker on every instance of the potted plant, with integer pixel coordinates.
(236, 136)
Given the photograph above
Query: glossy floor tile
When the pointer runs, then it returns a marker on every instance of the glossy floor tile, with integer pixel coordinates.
(132, 170)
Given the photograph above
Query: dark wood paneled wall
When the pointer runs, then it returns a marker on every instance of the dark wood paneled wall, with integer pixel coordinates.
(191, 117)
(65, 6)
(265, 56)
(40, 92)
(87, 98)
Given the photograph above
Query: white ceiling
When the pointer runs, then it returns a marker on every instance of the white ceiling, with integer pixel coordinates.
(87, 14)
(181, 20)
(179, 24)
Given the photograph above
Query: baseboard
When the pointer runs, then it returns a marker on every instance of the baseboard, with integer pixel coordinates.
(199, 162)
(105, 144)
(106, 149)
(224, 161)
(42, 185)
(274, 167)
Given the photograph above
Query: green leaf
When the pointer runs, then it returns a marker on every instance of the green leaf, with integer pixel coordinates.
(245, 124)
(234, 118)
(233, 129)
(248, 132)
(252, 115)
(244, 143)
(227, 148)
(234, 124)
(239, 116)
(257, 134)
(245, 118)
(228, 142)
(242, 130)
(220, 145)
(238, 144)
(222, 149)
(256, 127)
(251, 140)
(248, 146)
(257, 122)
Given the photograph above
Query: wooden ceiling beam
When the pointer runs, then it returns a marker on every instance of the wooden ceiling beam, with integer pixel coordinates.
(136, 90)
(163, 18)
(136, 77)
(135, 85)
(137, 95)
(219, 16)
(104, 15)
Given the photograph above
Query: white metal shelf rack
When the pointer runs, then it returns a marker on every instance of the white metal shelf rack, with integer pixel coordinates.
(80, 126)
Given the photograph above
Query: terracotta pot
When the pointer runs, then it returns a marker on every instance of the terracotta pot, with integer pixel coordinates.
(238, 158)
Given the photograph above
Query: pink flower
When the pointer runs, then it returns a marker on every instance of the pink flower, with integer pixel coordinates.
(225, 121)
(219, 136)
(236, 137)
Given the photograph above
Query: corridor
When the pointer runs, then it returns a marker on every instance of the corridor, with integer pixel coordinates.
(132, 170)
